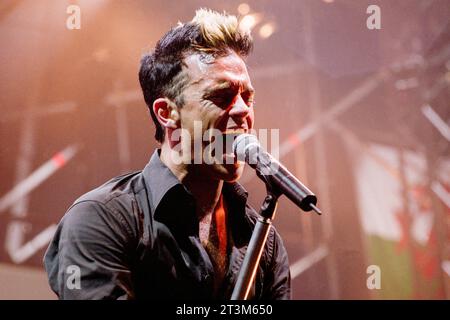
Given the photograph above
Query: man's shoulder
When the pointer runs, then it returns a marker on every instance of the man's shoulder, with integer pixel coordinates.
(123, 186)
(115, 199)
(113, 203)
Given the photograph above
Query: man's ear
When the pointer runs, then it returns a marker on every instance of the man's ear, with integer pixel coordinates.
(166, 112)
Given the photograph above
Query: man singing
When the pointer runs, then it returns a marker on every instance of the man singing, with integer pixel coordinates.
(177, 229)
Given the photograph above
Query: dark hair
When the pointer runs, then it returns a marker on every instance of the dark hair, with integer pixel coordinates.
(160, 71)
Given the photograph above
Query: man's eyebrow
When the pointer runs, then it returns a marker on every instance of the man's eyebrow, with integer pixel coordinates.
(220, 86)
(226, 84)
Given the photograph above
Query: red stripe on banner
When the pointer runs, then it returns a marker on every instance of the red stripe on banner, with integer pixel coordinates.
(59, 159)
(294, 139)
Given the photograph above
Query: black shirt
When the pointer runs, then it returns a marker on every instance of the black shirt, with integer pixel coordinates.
(137, 237)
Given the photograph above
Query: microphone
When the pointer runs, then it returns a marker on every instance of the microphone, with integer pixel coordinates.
(247, 148)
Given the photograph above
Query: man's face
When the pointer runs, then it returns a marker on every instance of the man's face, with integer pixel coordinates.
(219, 96)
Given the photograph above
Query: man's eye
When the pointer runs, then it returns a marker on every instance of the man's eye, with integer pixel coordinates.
(248, 98)
(223, 100)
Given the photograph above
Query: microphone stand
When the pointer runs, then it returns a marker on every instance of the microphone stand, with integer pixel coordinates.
(255, 248)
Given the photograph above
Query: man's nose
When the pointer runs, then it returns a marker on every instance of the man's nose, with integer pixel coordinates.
(239, 110)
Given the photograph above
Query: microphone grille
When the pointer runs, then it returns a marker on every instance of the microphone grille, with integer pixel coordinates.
(242, 143)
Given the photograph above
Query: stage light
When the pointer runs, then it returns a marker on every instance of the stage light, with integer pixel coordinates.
(249, 21)
(243, 8)
(267, 30)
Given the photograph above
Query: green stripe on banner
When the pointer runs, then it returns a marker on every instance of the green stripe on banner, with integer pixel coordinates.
(396, 270)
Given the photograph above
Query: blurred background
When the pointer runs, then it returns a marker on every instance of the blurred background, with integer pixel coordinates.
(363, 116)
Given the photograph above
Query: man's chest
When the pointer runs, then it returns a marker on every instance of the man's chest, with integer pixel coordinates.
(214, 240)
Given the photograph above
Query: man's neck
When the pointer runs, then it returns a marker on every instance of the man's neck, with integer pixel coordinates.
(206, 190)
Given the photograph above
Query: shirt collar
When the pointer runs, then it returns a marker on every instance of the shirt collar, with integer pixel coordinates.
(160, 181)
(235, 191)
(240, 225)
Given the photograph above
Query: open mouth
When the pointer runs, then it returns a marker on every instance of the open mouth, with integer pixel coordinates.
(221, 150)
(229, 136)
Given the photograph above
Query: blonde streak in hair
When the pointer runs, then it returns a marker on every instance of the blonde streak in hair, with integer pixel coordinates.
(217, 29)
(228, 29)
